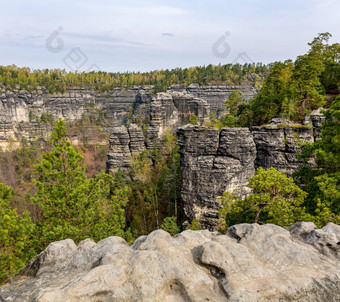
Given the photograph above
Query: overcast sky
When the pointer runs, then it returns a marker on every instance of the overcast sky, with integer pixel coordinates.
(136, 35)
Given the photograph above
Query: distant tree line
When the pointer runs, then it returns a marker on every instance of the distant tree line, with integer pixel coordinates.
(57, 80)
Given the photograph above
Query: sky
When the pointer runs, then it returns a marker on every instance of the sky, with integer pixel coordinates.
(140, 35)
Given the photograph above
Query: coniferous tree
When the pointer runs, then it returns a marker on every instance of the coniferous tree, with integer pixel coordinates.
(169, 225)
(15, 231)
(275, 199)
(322, 183)
(74, 206)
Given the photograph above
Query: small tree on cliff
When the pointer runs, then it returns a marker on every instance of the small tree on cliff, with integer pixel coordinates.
(276, 199)
(234, 101)
(169, 225)
(74, 206)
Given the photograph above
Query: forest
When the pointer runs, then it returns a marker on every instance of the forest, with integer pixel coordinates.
(56, 80)
(63, 201)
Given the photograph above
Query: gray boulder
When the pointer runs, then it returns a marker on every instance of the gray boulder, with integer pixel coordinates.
(250, 263)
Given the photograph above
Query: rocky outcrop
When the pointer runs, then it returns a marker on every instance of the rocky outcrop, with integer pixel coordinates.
(278, 143)
(124, 141)
(216, 95)
(171, 110)
(166, 111)
(250, 263)
(316, 118)
(213, 162)
(22, 112)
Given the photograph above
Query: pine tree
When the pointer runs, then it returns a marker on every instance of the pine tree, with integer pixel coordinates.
(74, 206)
(169, 225)
(275, 199)
(15, 231)
(234, 101)
(323, 182)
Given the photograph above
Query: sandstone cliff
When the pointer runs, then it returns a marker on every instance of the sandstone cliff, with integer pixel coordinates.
(166, 111)
(21, 111)
(216, 95)
(124, 141)
(213, 162)
(278, 143)
(250, 263)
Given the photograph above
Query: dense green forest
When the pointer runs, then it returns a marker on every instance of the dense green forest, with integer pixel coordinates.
(65, 202)
(291, 90)
(56, 80)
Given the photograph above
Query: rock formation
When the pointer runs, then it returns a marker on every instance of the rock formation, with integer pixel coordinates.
(213, 162)
(21, 111)
(166, 111)
(216, 95)
(250, 263)
(124, 141)
(278, 143)
(316, 118)
(171, 110)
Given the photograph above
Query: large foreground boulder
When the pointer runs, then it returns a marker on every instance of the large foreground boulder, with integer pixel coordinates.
(251, 263)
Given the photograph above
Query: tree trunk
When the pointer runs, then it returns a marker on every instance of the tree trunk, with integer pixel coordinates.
(257, 215)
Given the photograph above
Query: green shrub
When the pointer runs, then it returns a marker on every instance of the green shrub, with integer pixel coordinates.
(169, 225)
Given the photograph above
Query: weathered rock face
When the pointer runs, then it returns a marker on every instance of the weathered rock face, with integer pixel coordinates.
(171, 110)
(213, 162)
(250, 263)
(216, 95)
(277, 145)
(124, 141)
(316, 118)
(166, 111)
(21, 111)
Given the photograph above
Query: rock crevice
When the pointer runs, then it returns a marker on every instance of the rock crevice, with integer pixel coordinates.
(213, 162)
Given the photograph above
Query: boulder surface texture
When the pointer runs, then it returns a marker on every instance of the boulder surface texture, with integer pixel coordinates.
(250, 263)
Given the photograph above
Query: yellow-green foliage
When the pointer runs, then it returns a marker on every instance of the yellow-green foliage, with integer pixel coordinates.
(226, 200)
(56, 80)
(195, 225)
(169, 225)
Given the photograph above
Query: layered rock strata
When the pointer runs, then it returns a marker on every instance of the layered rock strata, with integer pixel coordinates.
(166, 111)
(22, 113)
(171, 110)
(250, 263)
(278, 143)
(124, 141)
(216, 95)
(213, 162)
